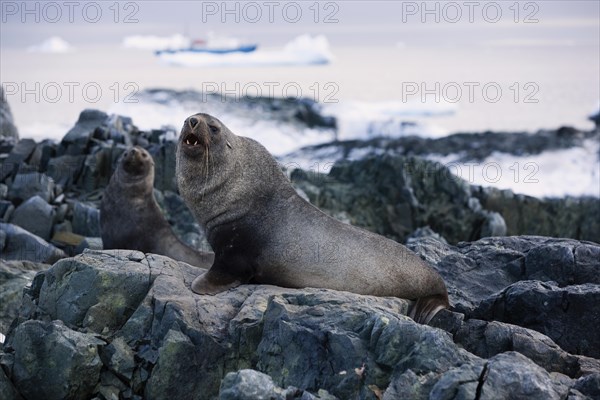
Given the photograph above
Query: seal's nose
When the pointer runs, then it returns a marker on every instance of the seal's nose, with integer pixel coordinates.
(192, 122)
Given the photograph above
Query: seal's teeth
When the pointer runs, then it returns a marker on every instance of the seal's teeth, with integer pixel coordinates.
(187, 141)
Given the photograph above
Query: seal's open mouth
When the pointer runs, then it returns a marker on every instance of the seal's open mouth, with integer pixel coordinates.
(191, 140)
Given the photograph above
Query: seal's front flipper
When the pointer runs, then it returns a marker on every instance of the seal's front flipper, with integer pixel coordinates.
(214, 281)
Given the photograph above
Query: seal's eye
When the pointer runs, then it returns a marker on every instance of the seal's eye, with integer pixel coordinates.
(213, 129)
(144, 155)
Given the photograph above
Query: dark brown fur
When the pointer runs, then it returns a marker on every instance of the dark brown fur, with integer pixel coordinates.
(131, 219)
(263, 232)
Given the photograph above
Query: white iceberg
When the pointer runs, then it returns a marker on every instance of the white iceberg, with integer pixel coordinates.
(303, 50)
(53, 44)
(150, 42)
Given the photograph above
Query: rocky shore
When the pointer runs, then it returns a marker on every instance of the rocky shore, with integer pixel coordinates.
(81, 322)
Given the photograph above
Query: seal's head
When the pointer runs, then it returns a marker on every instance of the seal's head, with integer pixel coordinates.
(137, 162)
(203, 136)
(204, 151)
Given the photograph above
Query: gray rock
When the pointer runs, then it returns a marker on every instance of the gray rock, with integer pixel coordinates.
(119, 358)
(98, 167)
(164, 341)
(19, 154)
(6, 210)
(76, 141)
(181, 219)
(98, 299)
(22, 245)
(577, 218)
(248, 384)
(65, 170)
(14, 276)
(86, 220)
(52, 361)
(589, 385)
(474, 271)
(31, 184)
(505, 376)
(7, 124)
(8, 390)
(36, 216)
(394, 195)
(554, 311)
(164, 166)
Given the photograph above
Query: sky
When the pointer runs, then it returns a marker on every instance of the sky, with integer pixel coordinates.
(273, 23)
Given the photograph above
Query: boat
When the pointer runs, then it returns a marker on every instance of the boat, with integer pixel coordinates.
(212, 46)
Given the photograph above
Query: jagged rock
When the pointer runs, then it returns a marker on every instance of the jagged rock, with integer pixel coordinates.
(22, 245)
(14, 276)
(18, 155)
(164, 166)
(393, 196)
(8, 390)
(76, 141)
(569, 315)
(7, 125)
(181, 219)
(474, 271)
(65, 170)
(35, 216)
(248, 384)
(31, 184)
(52, 361)
(577, 218)
(86, 220)
(6, 210)
(487, 339)
(98, 167)
(159, 339)
(505, 376)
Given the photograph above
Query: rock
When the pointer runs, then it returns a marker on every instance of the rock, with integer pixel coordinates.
(9, 392)
(505, 376)
(36, 216)
(77, 140)
(22, 245)
(475, 271)
(161, 340)
(6, 210)
(423, 233)
(98, 168)
(487, 339)
(19, 154)
(248, 384)
(181, 219)
(577, 218)
(14, 276)
(31, 184)
(52, 361)
(393, 196)
(554, 311)
(7, 124)
(164, 166)
(65, 170)
(86, 220)
(589, 385)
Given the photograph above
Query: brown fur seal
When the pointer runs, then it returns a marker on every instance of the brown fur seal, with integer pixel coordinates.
(262, 231)
(131, 219)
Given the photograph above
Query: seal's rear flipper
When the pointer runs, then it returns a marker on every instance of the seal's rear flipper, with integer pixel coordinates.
(426, 307)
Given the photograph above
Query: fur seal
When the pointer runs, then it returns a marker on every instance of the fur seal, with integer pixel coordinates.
(131, 219)
(262, 231)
